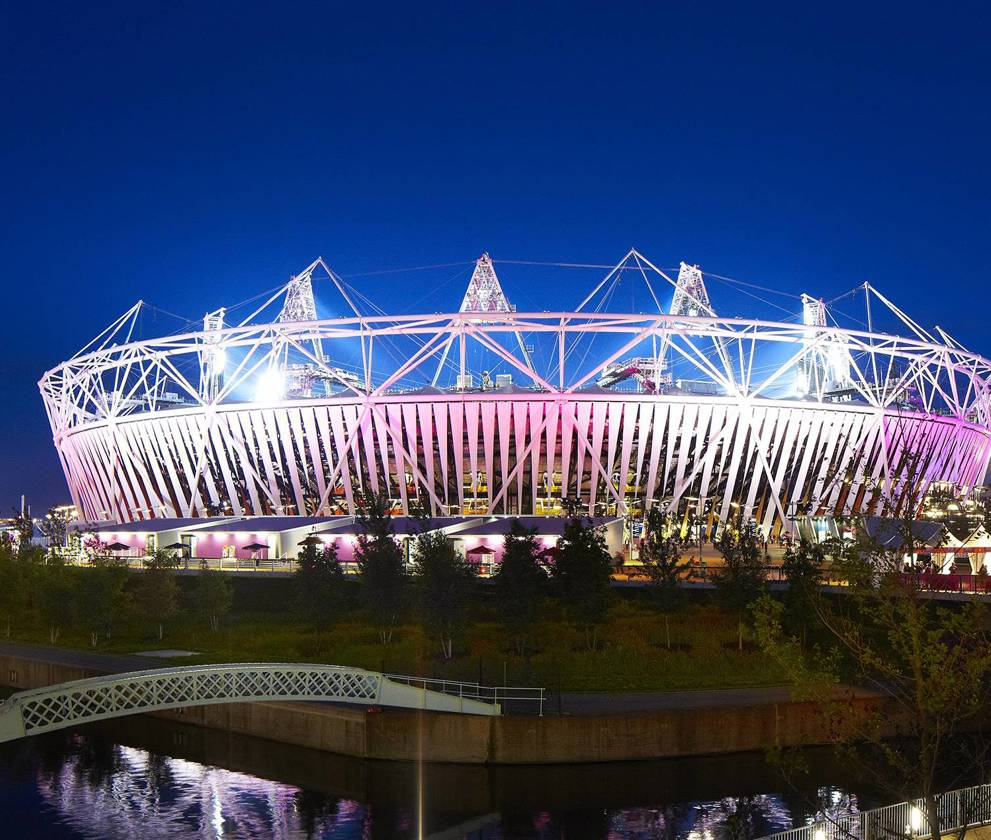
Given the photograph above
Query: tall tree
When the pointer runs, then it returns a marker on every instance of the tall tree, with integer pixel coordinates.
(319, 583)
(102, 597)
(444, 580)
(381, 570)
(742, 580)
(17, 571)
(57, 597)
(929, 661)
(802, 569)
(520, 584)
(582, 571)
(156, 592)
(212, 596)
(661, 555)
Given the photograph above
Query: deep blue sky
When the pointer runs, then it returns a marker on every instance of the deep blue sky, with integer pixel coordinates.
(193, 154)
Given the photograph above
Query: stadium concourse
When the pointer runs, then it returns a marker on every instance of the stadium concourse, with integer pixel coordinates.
(269, 428)
(273, 542)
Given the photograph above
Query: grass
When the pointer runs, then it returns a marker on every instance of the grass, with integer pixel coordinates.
(631, 655)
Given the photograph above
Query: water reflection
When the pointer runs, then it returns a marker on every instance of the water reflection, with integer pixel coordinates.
(143, 778)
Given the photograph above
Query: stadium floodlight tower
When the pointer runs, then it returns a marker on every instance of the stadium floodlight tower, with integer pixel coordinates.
(300, 379)
(825, 368)
(484, 292)
(690, 295)
(691, 300)
(213, 358)
(484, 296)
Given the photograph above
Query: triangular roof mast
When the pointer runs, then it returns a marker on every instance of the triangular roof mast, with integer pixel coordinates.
(690, 295)
(484, 295)
(484, 292)
(300, 307)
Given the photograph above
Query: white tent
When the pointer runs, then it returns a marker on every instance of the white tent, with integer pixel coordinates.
(978, 547)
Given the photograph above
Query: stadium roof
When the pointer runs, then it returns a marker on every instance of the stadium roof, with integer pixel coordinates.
(157, 526)
(545, 525)
(889, 532)
(272, 524)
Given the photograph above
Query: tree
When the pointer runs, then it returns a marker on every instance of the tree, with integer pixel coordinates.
(16, 573)
(444, 580)
(742, 579)
(380, 566)
(929, 662)
(520, 584)
(582, 572)
(156, 592)
(663, 565)
(320, 583)
(212, 596)
(23, 527)
(57, 598)
(55, 527)
(102, 598)
(802, 568)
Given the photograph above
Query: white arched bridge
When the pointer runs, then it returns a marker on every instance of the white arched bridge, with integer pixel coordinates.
(117, 695)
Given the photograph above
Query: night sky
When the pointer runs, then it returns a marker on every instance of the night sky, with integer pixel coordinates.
(196, 154)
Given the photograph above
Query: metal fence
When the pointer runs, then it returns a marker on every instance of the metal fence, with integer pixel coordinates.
(957, 809)
(510, 698)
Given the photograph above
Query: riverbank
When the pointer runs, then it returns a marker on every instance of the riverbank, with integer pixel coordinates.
(660, 725)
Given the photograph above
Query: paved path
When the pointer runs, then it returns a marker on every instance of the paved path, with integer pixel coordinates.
(105, 662)
(648, 701)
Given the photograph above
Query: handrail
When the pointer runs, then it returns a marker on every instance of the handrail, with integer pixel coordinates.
(497, 694)
(956, 809)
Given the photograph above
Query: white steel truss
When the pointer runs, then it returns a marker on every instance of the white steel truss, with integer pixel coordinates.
(138, 438)
(100, 698)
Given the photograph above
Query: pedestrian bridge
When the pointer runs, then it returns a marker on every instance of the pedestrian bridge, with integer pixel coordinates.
(117, 695)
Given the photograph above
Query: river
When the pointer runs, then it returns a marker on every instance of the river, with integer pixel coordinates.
(142, 778)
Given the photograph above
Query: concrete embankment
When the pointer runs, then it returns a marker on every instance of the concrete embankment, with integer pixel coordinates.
(710, 728)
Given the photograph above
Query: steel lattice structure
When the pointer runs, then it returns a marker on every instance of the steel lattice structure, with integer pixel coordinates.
(139, 436)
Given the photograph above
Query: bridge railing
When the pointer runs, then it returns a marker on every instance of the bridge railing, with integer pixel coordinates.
(517, 697)
(957, 809)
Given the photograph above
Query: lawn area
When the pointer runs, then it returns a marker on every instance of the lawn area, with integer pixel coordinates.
(631, 655)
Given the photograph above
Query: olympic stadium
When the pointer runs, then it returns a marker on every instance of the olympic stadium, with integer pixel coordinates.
(484, 410)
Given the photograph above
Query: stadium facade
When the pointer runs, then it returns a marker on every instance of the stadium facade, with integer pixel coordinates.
(490, 411)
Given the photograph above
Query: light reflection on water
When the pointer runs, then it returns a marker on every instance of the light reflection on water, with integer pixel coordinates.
(145, 795)
(92, 785)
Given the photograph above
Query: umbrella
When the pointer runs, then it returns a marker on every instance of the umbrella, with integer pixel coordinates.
(255, 546)
(482, 549)
(117, 546)
(312, 539)
(175, 545)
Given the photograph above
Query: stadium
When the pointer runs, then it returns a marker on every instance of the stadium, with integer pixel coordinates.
(486, 411)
